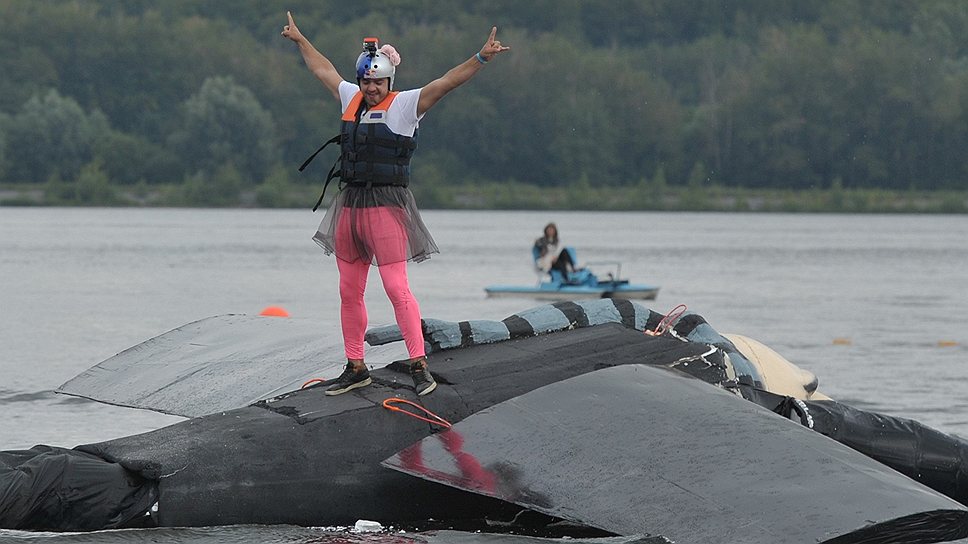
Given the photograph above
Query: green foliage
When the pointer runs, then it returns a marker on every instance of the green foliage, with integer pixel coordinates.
(279, 191)
(90, 188)
(130, 159)
(52, 136)
(4, 122)
(222, 123)
(665, 102)
(222, 188)
(93, 187)
(699, 176)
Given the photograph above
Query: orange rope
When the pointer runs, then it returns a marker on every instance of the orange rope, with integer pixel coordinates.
(437, 420)
(314, 380)
(663, 326)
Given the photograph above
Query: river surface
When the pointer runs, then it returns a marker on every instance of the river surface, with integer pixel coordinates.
(875, 305)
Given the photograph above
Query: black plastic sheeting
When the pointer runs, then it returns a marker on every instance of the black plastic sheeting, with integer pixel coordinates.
(226, 362)
(60, 489)
(215, 364)
(931, 457)
(693, 463)
(308, 459)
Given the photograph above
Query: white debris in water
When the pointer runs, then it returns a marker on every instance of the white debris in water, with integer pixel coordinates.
(366, 526)
(330, 529)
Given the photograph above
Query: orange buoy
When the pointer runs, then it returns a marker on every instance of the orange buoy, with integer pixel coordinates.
(274, 311)
(947, 343)
(841, 341)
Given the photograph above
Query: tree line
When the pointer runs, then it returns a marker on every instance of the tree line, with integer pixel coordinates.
(206, 97)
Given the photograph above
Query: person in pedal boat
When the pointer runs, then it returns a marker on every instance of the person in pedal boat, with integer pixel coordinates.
(551, 254)
(374, 218)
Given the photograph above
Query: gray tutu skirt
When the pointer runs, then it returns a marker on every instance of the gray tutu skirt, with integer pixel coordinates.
(379, 225)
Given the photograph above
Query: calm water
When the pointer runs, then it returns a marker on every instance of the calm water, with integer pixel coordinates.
(875, 305)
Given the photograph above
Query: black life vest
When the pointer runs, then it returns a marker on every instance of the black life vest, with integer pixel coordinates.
(370, 154)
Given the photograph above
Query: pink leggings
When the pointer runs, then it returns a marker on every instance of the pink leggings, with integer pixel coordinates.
(353, 275)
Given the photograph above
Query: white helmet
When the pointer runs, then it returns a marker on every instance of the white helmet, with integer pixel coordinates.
(374, 62)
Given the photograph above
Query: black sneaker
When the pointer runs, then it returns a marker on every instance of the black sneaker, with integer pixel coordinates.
(349, 380)
(423, 382)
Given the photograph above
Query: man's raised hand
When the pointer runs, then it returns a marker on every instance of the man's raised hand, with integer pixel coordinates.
(291, 31)
(492, 46)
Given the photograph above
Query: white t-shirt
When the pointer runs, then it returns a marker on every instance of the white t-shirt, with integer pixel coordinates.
(402, 115)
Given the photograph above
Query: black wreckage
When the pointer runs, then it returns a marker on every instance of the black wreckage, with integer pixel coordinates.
(566, 413)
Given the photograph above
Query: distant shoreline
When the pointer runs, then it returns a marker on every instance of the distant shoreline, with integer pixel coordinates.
(494, 196)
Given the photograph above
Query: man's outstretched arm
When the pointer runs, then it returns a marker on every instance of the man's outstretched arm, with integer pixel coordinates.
(432, 92)
(317, 63)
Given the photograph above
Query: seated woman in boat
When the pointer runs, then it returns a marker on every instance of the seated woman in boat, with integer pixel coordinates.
(550, 254)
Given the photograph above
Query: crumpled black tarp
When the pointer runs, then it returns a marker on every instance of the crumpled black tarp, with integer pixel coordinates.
(936, 459)
(231, 361)
(36, 484)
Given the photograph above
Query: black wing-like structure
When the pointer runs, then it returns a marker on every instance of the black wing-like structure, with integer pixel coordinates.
(214, 364)
(638, 449)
